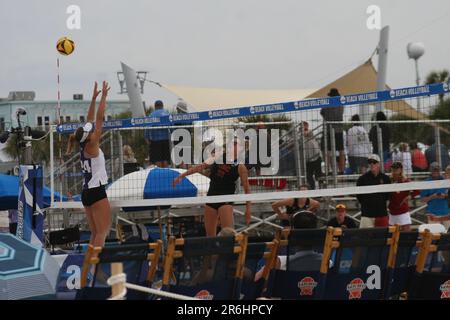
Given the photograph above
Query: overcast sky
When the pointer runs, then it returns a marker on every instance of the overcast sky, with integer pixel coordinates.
(244, 44)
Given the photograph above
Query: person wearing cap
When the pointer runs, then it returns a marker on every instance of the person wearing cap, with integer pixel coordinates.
(178, 151)
(158, 139)
(436, 199)
(341, 220)
(373, 205)
(335, 114)
(398, 203)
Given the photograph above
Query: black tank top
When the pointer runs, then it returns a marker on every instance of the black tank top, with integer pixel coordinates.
(296, 208)
(223, 179)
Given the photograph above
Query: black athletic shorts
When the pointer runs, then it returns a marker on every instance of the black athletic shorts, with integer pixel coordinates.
(91, 196)
(159, 151)
(338, 138)
(216, 206)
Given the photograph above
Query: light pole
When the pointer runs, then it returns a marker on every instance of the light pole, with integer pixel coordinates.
(415, 51)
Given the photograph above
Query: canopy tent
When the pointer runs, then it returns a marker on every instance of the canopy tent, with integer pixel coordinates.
(361, 79)
(364, 79)
(206, 99)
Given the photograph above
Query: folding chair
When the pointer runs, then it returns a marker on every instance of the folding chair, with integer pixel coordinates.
(141, 262)
(207, 268)
(138, 233)
(360, 265)
(401, 263)
(432, 282)
(304, 280)
(262, 254)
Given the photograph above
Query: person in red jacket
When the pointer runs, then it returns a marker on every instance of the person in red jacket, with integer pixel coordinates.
(398, 204)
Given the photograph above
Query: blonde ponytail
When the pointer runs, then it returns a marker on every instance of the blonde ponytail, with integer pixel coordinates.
(72, 140)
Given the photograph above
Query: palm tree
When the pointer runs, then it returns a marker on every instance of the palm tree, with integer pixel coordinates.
(438, 77)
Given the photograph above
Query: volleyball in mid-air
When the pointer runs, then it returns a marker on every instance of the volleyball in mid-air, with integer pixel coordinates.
(65, 46)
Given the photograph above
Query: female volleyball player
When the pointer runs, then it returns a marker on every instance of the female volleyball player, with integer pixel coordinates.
(222, 182)
(92, 158)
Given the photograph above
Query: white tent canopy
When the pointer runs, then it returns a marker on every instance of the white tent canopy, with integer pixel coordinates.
(205, 99)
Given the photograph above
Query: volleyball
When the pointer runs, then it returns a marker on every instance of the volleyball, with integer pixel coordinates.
(65, 46)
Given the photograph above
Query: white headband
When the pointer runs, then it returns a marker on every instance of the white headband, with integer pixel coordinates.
(87, 128)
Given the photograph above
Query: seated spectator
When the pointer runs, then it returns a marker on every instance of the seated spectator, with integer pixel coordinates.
(341, 220)
(206, 273)
(443, 219)
(436, 199)
(305, 258)
(418, 159)
(404, 157)
(294, 205)
(358, 146)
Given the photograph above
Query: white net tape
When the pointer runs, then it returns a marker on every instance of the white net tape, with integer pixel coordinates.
(121, 279)
(269, 196)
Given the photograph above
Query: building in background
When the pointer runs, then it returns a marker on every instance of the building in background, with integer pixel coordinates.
(40, 114)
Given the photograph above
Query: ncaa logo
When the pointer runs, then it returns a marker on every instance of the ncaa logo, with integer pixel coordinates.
(445, 86)
(132, 121)
(170, 117)
(392, 93)
(252, 110)
(210, 114)
(296, 105)
(343, 100)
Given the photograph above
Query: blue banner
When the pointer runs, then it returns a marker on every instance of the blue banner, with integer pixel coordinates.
(30, 218)
(327, 102)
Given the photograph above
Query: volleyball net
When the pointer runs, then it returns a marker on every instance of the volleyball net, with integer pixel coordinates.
(319, 142)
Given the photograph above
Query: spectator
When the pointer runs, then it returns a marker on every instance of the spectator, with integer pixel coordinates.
(373, 206)
(158, 139)
(335, 114)
(404, 157)
(431, 153)
(358, 147)
(418, 159)
(313, 157)
(436, 199)
(341, 220)
(129, 161)
(305, 258)
(294, 205)
(385, 136)
(128, 154)
(398, 203)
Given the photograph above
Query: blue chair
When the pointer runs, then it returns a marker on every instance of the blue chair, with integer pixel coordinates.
(431, 280)
(401, 264)
(140, 265)
(368, 251)
(206, 268)
(304, 280)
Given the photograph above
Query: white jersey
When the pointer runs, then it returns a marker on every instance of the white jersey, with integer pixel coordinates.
(358, 144)
(94, 170)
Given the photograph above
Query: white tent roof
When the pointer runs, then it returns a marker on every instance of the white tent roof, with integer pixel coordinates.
(205, 99)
